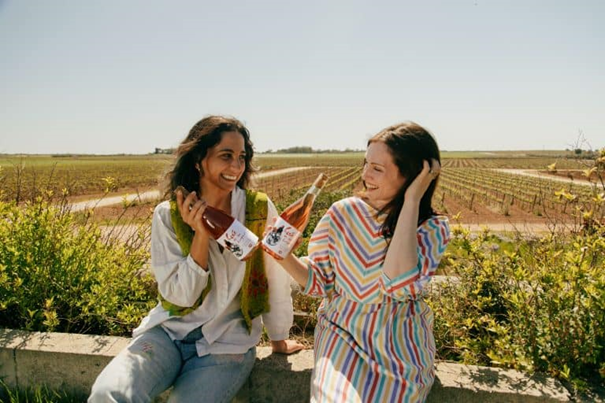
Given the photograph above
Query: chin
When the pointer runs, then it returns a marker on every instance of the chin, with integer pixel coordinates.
(229, 187)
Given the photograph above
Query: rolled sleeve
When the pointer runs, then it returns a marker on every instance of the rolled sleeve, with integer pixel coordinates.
(180, 279)
(433, 236)
(320, 281)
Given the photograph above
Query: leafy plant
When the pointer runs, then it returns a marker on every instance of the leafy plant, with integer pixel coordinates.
(58, 275)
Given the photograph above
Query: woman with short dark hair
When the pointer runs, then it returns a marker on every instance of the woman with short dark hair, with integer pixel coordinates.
(370, 259)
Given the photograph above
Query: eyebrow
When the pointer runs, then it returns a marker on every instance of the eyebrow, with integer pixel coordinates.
(372, 163)
(229, 150)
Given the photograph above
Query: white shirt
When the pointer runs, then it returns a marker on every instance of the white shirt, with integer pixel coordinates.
(181, 281)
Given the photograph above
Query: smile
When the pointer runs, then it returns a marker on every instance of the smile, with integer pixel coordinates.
(229, 177)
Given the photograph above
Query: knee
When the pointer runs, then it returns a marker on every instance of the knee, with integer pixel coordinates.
(105, 393)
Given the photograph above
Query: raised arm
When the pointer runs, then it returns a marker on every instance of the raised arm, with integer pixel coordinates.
(402, 256)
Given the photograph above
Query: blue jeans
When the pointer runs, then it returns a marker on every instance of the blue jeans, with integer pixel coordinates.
(152, 363)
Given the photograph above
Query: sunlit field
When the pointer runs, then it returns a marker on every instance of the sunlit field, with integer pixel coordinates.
(476, 186)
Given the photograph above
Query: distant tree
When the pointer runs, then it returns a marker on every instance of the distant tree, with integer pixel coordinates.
(159, 150)
(296, 150)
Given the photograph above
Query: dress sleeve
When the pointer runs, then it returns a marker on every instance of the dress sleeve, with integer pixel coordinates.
(180, 279)
(433, 236)
(320, 281)
(279, 319)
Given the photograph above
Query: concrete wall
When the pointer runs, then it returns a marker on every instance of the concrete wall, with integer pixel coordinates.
(71, 362)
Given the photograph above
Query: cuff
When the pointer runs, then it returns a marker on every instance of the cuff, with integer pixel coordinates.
(192, 264)
(279, 335)
(310, 279)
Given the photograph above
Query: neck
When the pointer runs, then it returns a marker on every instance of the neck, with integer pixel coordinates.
(218, 199)
(373, 204)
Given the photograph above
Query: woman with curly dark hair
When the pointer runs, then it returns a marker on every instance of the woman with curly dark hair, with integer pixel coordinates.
(200, 339)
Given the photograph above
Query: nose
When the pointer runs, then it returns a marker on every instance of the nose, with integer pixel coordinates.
(364, 172)
(238, 164)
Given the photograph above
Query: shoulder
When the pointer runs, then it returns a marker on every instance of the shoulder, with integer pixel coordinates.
(162, 209)
(352, 206)
(255, 194)
(256, 201)
(348, 203)
(162, 212)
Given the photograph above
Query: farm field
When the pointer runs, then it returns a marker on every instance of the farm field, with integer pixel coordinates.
(474, 186)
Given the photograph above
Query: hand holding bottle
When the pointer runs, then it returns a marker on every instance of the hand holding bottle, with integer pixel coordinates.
(287, 229)
(269, 229)
(226, 230)
(191, 208)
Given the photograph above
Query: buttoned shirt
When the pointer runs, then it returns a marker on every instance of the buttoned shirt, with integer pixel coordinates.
(181, 281)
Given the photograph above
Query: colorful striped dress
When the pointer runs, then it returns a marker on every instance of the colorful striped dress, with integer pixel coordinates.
(374, 336)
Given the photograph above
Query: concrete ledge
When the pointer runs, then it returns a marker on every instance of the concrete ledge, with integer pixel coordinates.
(71, 362)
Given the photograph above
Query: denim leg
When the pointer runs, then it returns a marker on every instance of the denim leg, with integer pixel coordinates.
(212, 378)
(140, 372)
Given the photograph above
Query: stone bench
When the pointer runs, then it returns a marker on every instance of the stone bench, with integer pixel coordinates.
(71, 362)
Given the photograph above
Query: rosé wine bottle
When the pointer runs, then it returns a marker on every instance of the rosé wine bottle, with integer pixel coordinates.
(280, 241)
(228, 232)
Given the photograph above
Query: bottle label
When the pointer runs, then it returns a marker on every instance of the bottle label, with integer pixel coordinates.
(314, 190)
(282, 238)
(238, 239)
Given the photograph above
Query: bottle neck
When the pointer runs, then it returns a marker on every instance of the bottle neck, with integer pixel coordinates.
(314, 190)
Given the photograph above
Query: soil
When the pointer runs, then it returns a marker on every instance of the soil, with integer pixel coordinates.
(575, 174)
(481, 214)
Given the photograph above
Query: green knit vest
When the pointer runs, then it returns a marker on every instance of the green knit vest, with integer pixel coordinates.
(254, 294)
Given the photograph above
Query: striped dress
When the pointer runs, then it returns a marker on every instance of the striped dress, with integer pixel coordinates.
(374, 336)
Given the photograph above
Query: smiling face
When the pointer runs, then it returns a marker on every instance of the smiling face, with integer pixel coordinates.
(380, 175)
(224, 164)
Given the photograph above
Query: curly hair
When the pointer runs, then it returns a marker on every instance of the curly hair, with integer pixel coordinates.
(204, 135)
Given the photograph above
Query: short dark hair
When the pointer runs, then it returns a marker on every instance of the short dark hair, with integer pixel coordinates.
(409, 144)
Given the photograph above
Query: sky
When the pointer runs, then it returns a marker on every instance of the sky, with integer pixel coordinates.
(106, 77)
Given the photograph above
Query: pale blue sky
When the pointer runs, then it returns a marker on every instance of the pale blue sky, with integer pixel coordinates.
(128, 76)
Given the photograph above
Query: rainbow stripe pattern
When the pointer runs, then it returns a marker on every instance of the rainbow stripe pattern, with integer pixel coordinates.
(374, 337)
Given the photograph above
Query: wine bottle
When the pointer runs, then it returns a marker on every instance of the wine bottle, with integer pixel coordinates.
(291, 223)
(227, 231)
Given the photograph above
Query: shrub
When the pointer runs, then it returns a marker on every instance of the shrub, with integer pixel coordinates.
(59, 275)
(539, 307)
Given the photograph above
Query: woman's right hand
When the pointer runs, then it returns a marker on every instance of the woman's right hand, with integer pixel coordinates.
(269, 228)
(191, 209)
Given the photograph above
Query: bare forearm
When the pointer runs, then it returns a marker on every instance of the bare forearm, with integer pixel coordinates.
(402, 255)
(297, 269)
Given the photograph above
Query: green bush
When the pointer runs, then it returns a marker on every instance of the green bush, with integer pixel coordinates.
(60, 275)
(539, 307)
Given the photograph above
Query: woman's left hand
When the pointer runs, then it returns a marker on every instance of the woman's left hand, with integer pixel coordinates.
(422, 182)
(286, 346)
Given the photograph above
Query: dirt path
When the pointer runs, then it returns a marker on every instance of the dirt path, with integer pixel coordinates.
(522, 228)
(538, 174)
(155, 194)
